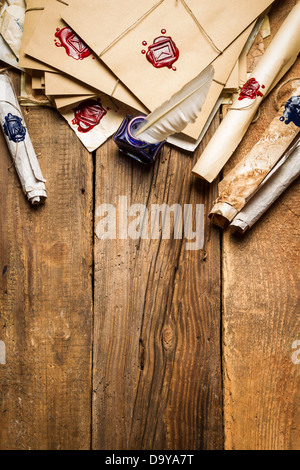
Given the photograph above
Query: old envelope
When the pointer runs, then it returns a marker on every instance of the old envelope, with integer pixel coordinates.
(95, 119)
(223, 66)
(45, 46)
(12, 24)
(56, 83)
(60, 84)
(64, 101)
(166, 45)
(34, 9)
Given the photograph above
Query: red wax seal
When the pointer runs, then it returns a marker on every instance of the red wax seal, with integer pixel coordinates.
(88, 114)
(250, 90)
(74, 46)
(163, 52)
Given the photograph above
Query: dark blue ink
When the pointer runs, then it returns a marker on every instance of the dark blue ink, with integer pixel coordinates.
(13, 128)
(292, 111)
(129, 145)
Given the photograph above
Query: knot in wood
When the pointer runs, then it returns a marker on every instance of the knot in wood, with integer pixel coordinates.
(167, 338)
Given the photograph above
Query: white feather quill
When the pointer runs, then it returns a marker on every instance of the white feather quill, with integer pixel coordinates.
(175, 114)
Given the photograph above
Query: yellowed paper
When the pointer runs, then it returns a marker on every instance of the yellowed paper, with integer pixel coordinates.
(243, 68)
(6, 54)
(156, 85)
(223, 20)
(114, 111)
(223, 66)
(57, 83)
(277, 181)
(232, 83)
(110, 18)
(12, 25)
(29, 96)
(89, 70)
(64, 101)
(183, 22)
(34, 9)
(283, 50)
(242, 181)
(266, 29)
(60, 84)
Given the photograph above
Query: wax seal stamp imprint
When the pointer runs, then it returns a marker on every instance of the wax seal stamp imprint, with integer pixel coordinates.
(88, 114)
(250, 90)
(73, 45)
(163, 52)
(292, 111)
(13, 128)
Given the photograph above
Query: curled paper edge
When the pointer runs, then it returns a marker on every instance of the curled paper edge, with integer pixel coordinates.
(279, 179)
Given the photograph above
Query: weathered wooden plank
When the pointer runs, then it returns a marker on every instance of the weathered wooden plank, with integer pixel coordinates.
(261, 313)
(46, 294)
(157, 371)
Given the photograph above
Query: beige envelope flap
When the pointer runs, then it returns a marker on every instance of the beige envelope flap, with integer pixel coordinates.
(102, 22)
(34, 9)
(233, 80)
(116, 34)
(59, 84)
(63, 101)
(128, 57)
(223, 20)
(43, 46)
(223, 66)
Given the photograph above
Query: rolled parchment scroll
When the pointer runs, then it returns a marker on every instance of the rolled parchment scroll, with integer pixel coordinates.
(277, 181)
(19, 143)
(282, 52)
(242, 181)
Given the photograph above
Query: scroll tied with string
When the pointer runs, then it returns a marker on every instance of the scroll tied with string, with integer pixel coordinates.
(19, 143)
(280, 55)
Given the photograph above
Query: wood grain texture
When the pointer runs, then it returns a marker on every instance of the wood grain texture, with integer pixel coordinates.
(261, 312)
(156, 378)
(157, 371)
(46, 294)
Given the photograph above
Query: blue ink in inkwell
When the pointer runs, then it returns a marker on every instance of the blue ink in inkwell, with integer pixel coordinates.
(133, 147)
(13, 128)
(292, 111)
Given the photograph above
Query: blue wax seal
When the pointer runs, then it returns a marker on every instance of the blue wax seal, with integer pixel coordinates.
(292, 111)
(13, 128)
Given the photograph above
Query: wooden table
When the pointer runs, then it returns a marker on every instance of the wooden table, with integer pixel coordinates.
(142, 344)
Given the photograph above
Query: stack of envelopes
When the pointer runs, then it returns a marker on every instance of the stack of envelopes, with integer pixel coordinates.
(98, 60)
